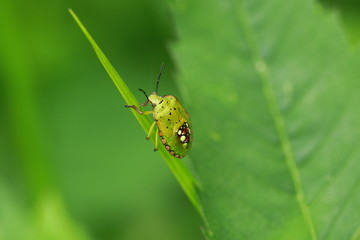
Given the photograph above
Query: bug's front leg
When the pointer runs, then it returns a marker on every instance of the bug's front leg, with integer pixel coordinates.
(145, 103)
(138, 110)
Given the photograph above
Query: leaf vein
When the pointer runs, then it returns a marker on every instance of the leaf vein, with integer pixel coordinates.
(344, 164)
(340, 211)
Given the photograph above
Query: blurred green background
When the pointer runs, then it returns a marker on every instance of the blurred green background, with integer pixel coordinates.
(70, 167)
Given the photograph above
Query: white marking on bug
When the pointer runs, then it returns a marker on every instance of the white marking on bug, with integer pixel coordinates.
(182, 138)
(179, 132)
(185, 145)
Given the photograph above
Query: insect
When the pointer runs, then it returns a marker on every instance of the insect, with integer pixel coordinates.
(171, 122)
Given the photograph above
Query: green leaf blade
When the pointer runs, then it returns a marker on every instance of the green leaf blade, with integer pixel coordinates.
(178, 168)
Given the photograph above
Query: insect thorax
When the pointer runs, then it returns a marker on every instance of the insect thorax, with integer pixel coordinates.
(155, 99)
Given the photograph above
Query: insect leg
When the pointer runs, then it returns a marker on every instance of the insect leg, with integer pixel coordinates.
(138, 110)
(150, 131)
(156, 139)
(145, 103)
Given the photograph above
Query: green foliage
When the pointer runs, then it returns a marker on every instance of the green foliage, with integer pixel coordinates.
(64, 173)
(272, 89)
(178, 168)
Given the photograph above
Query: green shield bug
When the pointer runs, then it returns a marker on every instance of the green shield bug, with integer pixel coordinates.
(171, 122)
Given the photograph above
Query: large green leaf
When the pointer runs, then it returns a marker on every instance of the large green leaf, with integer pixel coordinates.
(272, 90)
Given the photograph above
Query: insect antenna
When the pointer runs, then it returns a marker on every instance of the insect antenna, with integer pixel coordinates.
(147, 98)
(144, 93)
(159, 76)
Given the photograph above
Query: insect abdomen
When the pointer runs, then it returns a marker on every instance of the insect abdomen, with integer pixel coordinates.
(174, 126)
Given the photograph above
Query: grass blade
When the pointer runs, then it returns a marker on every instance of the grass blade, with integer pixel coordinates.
(178, 168)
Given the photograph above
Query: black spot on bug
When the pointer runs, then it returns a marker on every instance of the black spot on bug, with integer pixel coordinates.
(169, 119)
(161, 101)
(174, 108)
(169, 113)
